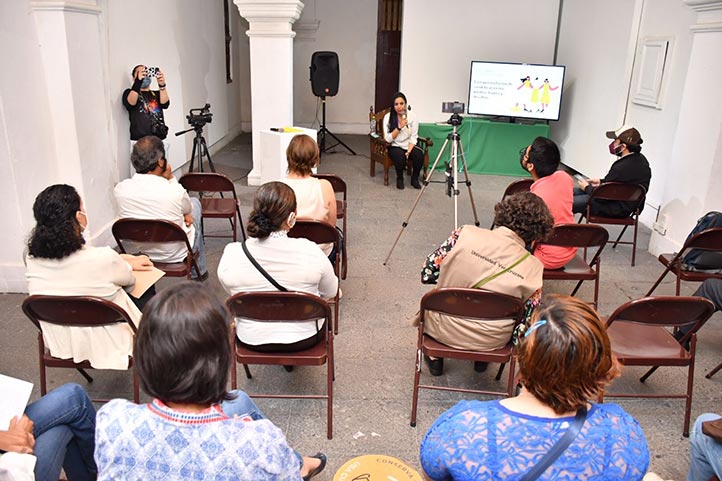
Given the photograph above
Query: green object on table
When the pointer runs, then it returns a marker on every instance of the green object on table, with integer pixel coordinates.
(489, 147)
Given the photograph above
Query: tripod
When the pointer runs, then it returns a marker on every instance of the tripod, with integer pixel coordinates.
(323, 131)
(199, 147)
(452, 179)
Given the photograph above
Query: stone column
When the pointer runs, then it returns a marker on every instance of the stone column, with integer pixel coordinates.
(271, 52)
(72, 50)
(692, 186)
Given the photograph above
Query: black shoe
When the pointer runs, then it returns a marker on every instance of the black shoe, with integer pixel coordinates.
(400, 183)
(288, 368)
(415, 183)
(480, 366)
(320, 467)
(436, 366)
(202, 277)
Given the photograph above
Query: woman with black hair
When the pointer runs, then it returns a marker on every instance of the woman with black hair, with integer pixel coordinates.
(193, 428)
(401, 130)
(296, 264)
(60, 264)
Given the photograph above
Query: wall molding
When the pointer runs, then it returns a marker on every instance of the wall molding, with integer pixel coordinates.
(65, 6)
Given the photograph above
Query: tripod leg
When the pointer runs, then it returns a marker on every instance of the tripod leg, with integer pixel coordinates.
(340, 142)
(468, 184)
(207, 154)
(418, 198)
(193, 155)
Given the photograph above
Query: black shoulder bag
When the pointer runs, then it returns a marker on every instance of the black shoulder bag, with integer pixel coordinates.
(262, 270)
(559, 447)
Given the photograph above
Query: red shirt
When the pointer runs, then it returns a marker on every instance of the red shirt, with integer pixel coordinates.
(557, 192)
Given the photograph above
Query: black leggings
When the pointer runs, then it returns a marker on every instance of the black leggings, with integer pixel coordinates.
(398, 155)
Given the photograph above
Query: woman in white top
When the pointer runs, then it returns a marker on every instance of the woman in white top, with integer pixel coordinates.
(60, 264)
(401, 130)
(296, 264)
(314, 197)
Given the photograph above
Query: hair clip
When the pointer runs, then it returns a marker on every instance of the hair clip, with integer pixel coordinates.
(534, 326)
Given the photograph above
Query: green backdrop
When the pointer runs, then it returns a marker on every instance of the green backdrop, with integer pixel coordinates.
(489, 147)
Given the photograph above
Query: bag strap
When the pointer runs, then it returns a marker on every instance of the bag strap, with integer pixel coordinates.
(262, 270)
(494, 276)
(559, 447)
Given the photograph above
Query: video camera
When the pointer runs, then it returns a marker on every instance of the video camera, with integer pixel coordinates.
(454, 108)
(200, 117)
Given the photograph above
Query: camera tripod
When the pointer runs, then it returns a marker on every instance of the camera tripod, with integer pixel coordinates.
(200, 148)
(323, 131)
(452, 179)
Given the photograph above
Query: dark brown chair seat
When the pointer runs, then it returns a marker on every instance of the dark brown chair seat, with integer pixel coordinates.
(708, 240)
(287, 307)
(215, 207)
(618, 192)
(638, 331)
(477, 304)
(74, 311)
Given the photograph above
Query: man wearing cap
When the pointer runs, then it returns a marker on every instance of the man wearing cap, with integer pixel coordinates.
(631, 167)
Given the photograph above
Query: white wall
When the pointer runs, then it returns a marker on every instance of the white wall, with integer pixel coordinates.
(440, 39)
(61, 116)
(594, 44)
(347, 27)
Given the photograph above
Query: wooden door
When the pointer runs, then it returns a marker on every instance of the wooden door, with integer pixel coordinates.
(388, 52)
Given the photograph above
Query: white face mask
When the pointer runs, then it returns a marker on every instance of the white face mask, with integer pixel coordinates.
(291, 220)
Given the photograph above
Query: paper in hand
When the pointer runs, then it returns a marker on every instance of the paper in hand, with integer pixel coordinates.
(16, 394)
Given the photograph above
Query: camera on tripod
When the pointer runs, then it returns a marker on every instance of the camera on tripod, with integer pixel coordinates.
(200, 117)
(454, 108)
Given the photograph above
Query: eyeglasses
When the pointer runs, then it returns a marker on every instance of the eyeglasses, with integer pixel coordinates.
(522, 152)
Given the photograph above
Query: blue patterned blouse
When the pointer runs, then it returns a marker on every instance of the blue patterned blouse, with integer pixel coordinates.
(477, 441)
(153, 442)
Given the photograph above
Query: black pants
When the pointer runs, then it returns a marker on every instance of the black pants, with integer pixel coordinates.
(398, 155)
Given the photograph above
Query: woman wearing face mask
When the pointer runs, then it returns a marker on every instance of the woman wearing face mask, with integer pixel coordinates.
(630, 167)
(296, 264)
(401, 130)
(60, 264)
(145, 106)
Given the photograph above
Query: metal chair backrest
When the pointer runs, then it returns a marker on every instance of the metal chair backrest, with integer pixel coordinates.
(578, 235)
(86, 311)
(278, 306)
(316, 231)
(666, 311)
(338, 184)
(522, 185)
(148, 230)
(207, 182)
(618, 192)
(707, 240)
(478, 304)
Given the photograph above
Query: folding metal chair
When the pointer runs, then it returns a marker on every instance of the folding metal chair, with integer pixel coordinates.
(214, 207)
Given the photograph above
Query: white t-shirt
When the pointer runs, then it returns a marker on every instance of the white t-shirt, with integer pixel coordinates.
(148, 196)
(410, 133)
(296, 264)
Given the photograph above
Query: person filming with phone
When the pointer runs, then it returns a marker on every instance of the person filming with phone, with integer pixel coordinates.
(145, 106)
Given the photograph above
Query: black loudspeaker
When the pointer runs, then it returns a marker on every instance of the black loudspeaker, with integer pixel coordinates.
(324, 74)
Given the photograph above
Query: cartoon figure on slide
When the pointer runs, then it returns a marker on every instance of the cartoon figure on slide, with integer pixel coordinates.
(522, 94)
(546, 96)
(535, 88)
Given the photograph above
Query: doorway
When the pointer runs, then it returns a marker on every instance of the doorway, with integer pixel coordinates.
(388, 52)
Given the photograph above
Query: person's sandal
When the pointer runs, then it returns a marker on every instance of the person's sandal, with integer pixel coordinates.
(319, 468)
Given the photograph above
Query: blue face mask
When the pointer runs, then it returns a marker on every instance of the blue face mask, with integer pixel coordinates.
(145, 83)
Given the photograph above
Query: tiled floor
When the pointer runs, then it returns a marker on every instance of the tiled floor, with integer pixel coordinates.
(375, 349)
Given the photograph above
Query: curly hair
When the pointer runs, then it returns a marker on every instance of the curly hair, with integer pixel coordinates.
(57, 232)
(302, 155)
(566, 359)
(526, 214)
(272, 204)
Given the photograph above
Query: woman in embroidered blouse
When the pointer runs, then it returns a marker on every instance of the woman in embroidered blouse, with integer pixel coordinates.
(565, 359)
(401, 131)
(296, 264)
(60, 264)
(495, 260)
(193, 428)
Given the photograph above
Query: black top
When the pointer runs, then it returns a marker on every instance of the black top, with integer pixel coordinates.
(143, 115)
(630, 169)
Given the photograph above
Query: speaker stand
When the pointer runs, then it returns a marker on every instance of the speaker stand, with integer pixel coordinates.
(323, 131)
